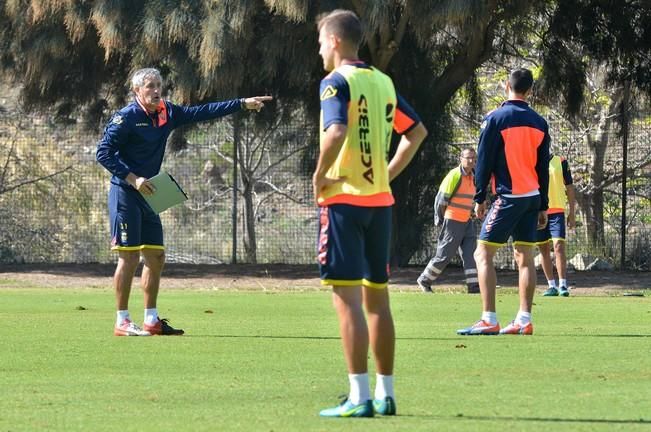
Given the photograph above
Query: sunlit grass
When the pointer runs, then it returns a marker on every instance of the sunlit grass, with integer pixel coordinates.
(253, 361)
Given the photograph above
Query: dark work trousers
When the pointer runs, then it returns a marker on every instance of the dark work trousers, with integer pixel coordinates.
(455, 236)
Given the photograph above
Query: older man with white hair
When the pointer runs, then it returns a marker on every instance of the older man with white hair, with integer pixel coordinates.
(132, 150)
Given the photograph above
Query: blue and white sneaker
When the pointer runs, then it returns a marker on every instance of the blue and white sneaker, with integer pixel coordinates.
(349, 409)
(385, 407)
(551, 292)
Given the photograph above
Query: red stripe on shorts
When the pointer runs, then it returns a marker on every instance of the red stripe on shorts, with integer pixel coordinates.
(324, 223)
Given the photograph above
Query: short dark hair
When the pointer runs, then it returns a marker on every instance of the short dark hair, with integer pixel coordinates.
(344, 24)
(521, 80)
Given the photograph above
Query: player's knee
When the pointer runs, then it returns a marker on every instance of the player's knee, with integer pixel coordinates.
(481, 256)
(129, 259)
(154, 258)
(377, 302)
(523, 256)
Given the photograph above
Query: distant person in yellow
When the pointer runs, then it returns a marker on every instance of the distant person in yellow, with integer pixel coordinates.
(453, 211)
(360, 109)
(561, 195)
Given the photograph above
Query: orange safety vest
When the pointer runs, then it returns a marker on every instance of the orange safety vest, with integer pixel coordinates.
(461, 203)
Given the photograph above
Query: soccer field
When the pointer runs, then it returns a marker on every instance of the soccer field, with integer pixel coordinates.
(254, 361)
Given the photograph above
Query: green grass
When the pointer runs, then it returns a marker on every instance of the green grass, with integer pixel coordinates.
(271, 361)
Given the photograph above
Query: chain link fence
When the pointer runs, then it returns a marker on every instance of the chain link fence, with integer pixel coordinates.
(53, 194)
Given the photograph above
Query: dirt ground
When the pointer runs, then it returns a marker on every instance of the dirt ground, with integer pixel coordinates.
(292, 277)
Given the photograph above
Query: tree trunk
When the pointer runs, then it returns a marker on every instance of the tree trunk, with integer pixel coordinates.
(250, 244)
(591, 200)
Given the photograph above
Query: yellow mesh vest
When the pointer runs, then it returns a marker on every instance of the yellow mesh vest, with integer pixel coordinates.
(363, 156)
(557, 196)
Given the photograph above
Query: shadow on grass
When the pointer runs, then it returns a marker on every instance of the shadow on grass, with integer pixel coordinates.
(448, 339)
(598, 335)
(462, 417)
(298, 337)
(217, 336)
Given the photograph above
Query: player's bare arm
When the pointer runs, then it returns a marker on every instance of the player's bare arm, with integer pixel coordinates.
(330, 147)
(407, 148)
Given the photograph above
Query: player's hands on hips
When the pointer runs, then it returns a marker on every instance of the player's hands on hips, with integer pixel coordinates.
(480, 210)
(321, 183)
(143, 186)
(542, 219)
(256, 102)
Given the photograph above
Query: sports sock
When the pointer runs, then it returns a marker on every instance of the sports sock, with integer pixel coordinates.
(359, 389)
(523, 318)
(151, 316)
(551, 283)
(383, 386)
(562, 282)
(121, 316)
(489, 317)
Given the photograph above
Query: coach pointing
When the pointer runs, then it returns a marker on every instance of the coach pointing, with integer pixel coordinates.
(132, 150)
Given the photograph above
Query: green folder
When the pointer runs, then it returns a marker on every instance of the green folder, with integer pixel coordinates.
(168, 193)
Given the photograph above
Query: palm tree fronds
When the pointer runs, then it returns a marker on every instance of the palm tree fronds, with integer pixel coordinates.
(294, 10)
(108, 19)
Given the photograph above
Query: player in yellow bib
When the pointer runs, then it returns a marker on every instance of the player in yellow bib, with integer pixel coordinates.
(561, 195)
(359, 112)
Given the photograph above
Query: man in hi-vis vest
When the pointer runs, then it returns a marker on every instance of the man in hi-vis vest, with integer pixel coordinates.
(453, 208)
(360, 110)
(561, 194)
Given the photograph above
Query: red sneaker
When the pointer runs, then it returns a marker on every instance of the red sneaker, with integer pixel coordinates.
(515, 328)
(162, 328)
(128, 328)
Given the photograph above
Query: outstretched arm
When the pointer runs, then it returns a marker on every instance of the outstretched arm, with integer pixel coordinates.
(255, 102)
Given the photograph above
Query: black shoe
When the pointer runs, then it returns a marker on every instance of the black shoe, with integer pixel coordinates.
(424, 284)
(473, 288)
(163, 328)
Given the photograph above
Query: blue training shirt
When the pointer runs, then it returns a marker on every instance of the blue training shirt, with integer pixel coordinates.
(134, 140)
(514, 149)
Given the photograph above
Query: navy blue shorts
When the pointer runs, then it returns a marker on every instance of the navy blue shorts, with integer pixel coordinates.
(353, 245)
(511, 217)
(134, 225)
(555, 229)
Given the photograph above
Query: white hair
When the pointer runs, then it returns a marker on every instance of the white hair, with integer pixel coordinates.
(139, 76)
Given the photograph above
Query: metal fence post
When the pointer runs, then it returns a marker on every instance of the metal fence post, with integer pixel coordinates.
(624, 118)
(236, 144)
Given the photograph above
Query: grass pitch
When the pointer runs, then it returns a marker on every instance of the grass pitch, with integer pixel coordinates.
(253, 361)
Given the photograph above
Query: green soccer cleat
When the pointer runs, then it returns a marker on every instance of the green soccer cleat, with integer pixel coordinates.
(564, 292)
(385, 407)
(349, 409)
(551, 292)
